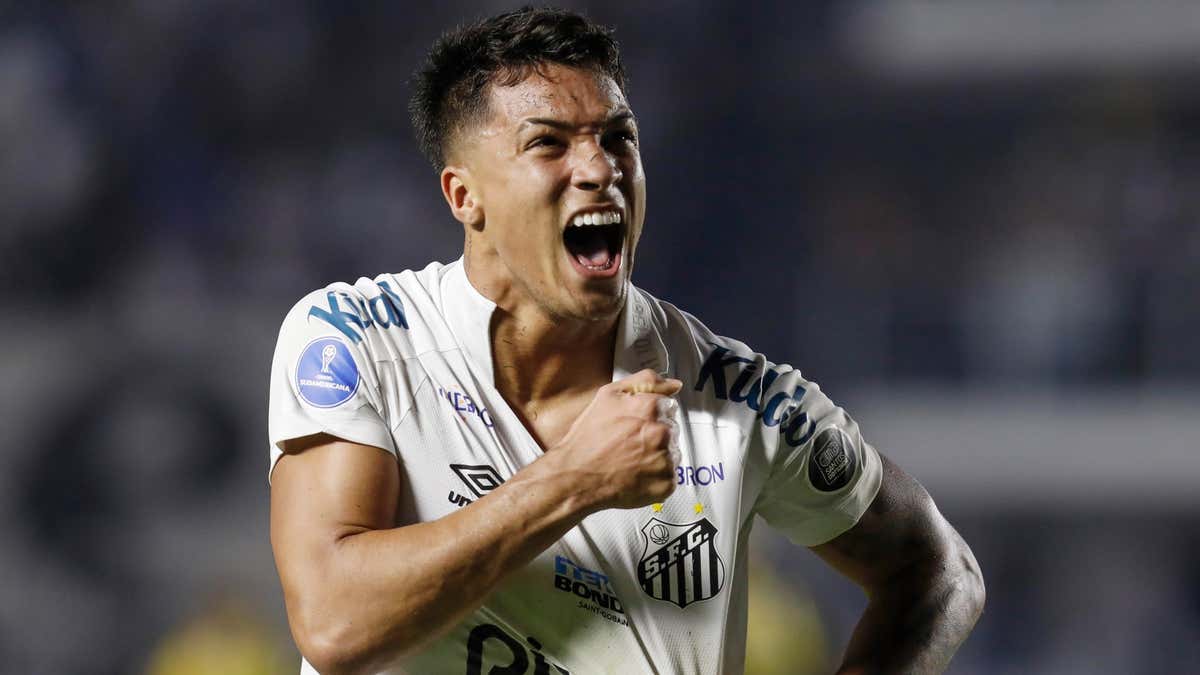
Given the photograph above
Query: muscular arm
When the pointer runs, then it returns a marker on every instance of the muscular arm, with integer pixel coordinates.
(924, 586)
(354, 582)
(362, 591)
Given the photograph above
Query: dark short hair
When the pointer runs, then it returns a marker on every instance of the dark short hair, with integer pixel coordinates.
(451, 90)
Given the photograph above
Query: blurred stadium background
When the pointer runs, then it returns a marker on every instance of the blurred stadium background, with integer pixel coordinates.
(976, 223)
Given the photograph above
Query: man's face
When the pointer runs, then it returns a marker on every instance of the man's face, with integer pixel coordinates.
(557, 176)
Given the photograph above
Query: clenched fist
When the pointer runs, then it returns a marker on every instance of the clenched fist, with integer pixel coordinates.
(624, 442)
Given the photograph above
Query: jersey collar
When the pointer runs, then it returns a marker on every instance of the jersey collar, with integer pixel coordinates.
(639, 333)
(469, 314)
(639, 337)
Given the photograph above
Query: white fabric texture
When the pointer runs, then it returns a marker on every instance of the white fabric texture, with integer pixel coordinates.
(403, 363)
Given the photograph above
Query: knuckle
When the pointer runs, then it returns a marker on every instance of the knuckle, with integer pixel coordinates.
(668, 468)
(658, 433)
(664, 488)
(648, 405)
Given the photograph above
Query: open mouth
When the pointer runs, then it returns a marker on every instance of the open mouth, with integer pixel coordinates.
(594, 241)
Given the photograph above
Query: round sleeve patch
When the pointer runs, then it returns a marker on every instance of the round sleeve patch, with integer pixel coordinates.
(326, 374)
(831, 464)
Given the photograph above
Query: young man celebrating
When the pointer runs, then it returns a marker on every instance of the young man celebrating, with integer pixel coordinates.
(521, 463)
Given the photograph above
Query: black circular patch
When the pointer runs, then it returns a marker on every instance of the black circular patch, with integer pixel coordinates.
(831, 464)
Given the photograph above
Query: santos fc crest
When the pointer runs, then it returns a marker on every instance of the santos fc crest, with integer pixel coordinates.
(681, 564)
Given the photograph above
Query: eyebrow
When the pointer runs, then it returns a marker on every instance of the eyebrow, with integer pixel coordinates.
(619, 116)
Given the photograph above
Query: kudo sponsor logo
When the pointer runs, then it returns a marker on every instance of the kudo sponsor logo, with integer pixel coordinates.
(350, 315)
(752, 379)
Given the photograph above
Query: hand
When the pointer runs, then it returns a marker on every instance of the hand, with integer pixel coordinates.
(622, 442)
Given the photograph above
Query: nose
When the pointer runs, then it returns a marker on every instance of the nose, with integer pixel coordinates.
(595, 169)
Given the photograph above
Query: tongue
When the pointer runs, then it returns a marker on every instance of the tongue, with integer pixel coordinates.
(595, 258)
(590, 248)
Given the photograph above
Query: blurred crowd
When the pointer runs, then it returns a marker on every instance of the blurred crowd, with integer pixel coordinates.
(174, 175)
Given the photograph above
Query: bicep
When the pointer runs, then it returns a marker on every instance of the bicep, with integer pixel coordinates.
(901, 528)
(322, 490)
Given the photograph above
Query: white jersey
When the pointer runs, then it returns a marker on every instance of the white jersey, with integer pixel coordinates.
(404, 363)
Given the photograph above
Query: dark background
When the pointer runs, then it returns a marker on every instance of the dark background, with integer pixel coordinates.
(977, 224)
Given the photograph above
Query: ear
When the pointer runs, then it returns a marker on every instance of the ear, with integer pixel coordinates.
(456, 188)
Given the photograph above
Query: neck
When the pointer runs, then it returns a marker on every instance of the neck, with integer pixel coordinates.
(538, 357)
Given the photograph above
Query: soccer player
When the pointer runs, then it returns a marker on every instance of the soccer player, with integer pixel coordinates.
(520, 462)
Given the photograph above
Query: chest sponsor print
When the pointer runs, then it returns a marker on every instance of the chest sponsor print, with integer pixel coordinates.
(492, 651)
(595, 592)
(680, 564)
(703, 475)
(464, 405)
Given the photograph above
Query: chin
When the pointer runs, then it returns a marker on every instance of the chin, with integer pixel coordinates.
(597, 306)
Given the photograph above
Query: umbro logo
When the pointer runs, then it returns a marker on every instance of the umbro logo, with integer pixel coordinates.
(480, 479)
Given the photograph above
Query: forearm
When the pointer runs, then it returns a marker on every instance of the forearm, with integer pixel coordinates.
(917, 620)
(361, 593)
(386, 592)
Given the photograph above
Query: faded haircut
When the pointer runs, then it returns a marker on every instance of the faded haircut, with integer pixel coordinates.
(450, 92)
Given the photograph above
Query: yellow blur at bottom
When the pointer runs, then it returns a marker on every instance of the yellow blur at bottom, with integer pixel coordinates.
(225, 640)
(784, 634)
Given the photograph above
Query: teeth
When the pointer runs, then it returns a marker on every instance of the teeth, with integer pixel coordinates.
(596, 218)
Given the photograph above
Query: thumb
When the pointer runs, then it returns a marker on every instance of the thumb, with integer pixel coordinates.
(649, 382)
(663, 387)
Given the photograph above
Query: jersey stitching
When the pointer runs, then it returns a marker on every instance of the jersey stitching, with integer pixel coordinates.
(733, 562)
(411, 406)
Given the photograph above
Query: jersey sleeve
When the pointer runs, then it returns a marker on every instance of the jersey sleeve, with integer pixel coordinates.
(324, 380)
(822, 475)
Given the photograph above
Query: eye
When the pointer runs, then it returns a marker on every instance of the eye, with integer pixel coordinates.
(544, 141)
(623, 136)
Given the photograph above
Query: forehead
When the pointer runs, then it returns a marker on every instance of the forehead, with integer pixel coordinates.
(556, 91)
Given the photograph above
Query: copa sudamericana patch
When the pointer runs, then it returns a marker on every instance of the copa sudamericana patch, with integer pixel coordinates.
(326, 375)
(831, 464)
